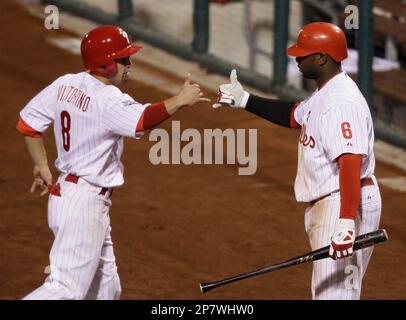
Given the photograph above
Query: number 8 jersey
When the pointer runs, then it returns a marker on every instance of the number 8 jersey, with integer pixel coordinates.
(335, 120)
(90, 120)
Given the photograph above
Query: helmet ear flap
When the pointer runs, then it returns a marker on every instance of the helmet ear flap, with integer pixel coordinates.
(108, 71)
(111, 70)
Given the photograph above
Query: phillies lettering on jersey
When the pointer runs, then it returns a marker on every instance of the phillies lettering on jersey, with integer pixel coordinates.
(335, 120)
(90, 120)
(306, 140)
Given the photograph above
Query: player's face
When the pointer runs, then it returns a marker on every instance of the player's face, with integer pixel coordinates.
(123, 70)
(308, 66)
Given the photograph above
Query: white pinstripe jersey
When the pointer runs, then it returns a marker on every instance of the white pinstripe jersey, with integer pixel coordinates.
(90, 120)
(335, 120)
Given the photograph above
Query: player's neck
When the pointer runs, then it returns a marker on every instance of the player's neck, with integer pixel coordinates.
(325, 77)
(102, 79)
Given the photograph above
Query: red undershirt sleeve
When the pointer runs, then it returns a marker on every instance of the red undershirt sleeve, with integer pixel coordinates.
(153, 115)
(350, 184)
(26, 130)
(293, 122)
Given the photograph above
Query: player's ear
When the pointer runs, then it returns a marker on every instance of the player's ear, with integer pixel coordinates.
(322, 59)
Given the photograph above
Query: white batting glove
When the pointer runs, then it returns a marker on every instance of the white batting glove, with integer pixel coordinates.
(343, 239)
(232, 94)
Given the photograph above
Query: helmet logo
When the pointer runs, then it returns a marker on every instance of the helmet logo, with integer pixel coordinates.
(125, 35)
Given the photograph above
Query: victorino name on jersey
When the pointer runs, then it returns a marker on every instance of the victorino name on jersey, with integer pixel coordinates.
(74, 96)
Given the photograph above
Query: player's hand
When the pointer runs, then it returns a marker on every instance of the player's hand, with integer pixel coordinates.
(231, 94)
(190, 93)
(42, 179)
(343, 239)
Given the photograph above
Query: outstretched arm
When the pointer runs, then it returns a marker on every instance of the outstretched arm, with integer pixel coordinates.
(154, 114)
(276, 111)
(189, 95)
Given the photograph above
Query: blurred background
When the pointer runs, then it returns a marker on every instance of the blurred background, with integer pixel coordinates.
(252, 35)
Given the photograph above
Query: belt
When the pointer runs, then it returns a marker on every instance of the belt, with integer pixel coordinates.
(74, 179)
(364, 182)
(367, 182)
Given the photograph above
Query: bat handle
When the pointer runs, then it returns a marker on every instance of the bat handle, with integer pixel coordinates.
(204, 287)
(207, 286)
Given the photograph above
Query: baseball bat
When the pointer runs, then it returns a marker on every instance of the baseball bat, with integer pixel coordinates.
(361, 242)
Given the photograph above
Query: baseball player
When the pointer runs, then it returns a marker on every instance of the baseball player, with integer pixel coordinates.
(90, 117)
(335, 173)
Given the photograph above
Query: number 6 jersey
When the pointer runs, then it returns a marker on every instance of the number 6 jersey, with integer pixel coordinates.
(90, 120)
(335, 120)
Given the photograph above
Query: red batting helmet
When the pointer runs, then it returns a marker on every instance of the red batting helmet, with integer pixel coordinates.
(101, 46)
(320, 37)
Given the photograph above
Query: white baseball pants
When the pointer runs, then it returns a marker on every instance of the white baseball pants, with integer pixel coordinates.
(341, 279)
(82, 261)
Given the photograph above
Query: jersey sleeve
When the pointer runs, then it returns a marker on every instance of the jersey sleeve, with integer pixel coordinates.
(26, 130)
(298, 114)
(345, 130)
(292, 120)
(121, 115)
(40, 111)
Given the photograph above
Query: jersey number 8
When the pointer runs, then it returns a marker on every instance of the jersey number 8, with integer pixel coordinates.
(65, 123)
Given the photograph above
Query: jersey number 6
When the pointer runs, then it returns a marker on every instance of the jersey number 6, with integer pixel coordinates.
(346, 129)
(65, 123)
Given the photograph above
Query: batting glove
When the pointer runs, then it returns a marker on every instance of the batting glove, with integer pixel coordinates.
(232, 94)
(343, 239)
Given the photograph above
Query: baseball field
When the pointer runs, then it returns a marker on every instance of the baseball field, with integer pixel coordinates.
(174, 225)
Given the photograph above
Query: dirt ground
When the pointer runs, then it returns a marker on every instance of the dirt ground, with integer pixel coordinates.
(173, 225)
